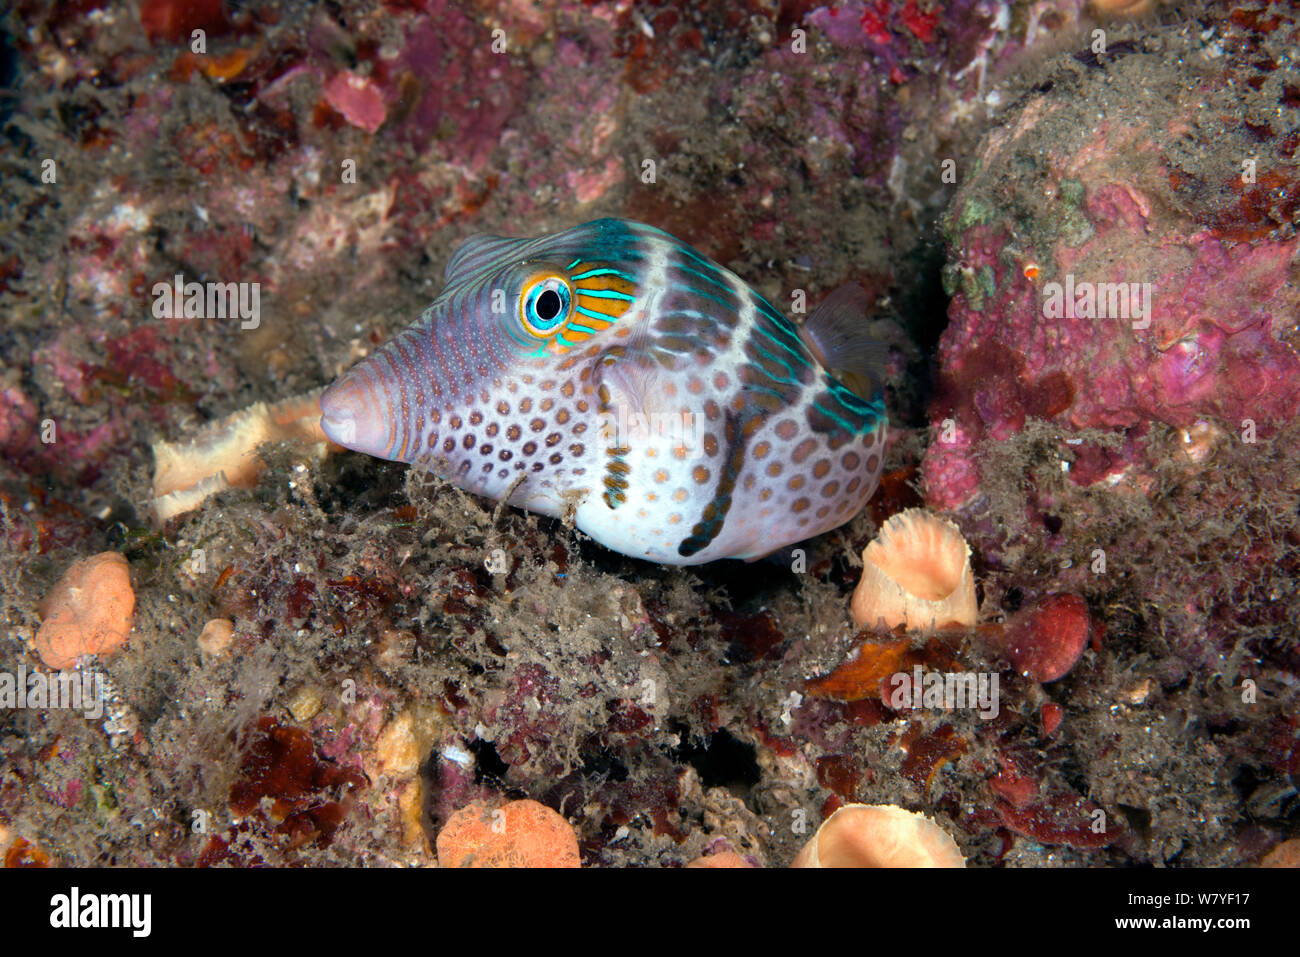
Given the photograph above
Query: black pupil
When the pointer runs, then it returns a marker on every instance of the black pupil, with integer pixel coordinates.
(548, 305)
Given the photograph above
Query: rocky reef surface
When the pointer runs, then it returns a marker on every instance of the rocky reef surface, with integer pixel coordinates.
(327, 665)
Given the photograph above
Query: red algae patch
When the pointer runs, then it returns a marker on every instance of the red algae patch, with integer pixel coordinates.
(357, 100)
(88, 612)
(865, 670)
(1046, 640)
(519, 834)
(286, 796)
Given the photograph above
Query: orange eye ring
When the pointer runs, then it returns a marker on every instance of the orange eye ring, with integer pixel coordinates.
(545, 305)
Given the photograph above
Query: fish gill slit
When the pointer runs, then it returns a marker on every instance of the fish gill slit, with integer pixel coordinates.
(714, 515)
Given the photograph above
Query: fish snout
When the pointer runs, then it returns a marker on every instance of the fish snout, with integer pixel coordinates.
(354, 415)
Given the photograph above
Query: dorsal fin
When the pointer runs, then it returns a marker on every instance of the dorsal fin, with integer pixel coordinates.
(479, 251)
(837, 335)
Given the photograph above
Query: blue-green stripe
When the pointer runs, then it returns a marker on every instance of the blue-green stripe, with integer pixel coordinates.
(831, 415)
(797, 353)
(602, 271)
(777, 359)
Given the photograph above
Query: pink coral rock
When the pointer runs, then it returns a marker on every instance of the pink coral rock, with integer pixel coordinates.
(1116, 268)
(357, 99)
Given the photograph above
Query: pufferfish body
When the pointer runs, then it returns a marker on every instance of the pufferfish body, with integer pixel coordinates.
(613, 374)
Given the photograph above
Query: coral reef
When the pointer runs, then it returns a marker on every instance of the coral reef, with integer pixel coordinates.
(332, 656)
(1117, 387)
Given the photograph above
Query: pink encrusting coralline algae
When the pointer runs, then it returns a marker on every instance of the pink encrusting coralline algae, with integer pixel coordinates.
(1115, 268)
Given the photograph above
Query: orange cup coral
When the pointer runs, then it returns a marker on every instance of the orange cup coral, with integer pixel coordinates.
(520, 834)
(879, 835)
(88, 612)
(1122, 8)
(720, 859)
(916, 573)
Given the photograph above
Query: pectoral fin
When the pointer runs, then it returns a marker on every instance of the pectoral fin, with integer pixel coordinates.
(838, 335)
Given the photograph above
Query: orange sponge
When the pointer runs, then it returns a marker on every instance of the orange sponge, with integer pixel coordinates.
(520, 834)
(88, 612)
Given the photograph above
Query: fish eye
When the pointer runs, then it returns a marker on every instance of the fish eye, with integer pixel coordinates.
(544, 305)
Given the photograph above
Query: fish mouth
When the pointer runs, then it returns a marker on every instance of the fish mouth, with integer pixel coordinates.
(353, 415)
(339, 425)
